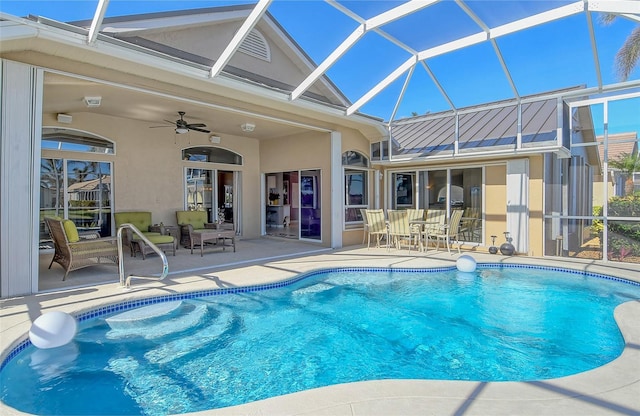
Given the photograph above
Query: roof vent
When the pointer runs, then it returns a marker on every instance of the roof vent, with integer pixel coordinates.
(256, 45)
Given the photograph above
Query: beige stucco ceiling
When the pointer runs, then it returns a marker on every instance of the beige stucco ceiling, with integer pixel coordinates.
(65, 94)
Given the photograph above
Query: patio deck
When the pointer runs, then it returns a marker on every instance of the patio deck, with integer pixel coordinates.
(612, 389)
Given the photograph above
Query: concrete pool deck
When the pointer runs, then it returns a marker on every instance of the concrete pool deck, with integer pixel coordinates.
(613, 389)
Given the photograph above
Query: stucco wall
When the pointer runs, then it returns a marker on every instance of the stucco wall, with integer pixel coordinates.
(148, 172)
(495, 210)
(536, 206)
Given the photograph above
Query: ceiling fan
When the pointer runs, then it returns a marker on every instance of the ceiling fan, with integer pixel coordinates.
(183, 127)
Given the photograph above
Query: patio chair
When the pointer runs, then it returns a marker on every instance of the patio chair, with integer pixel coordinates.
(190, 221)
(72, 253)
(377, 226)
(469, 223)
(365, 225)
(449, 232)
(142, 221)
(416, 229)
(399, 230)
(434, 221)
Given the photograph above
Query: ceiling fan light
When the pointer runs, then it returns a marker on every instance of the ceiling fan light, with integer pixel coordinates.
(181, 130)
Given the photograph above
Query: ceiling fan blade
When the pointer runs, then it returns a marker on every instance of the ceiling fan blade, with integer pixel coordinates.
(196, 125)
(198, 129)
(157, 127)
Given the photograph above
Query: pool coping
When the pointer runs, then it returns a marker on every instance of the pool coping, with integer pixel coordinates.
(611, 389)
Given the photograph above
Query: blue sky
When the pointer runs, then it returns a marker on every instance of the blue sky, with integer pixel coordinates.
(552, 56)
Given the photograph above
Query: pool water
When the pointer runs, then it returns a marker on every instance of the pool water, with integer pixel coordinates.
(327, 328)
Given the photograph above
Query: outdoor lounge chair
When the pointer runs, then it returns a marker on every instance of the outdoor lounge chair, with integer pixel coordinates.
(190, 221)
(72, 253)
(142, 221)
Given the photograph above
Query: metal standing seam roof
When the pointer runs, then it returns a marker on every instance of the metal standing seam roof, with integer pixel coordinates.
(483, 128)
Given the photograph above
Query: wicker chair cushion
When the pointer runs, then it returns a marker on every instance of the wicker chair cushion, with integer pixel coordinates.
(140, 219)
(71, 231)
(197, 219)
(156, 239)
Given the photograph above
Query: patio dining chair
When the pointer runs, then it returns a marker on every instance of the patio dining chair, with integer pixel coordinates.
(399, 230)
(365, 224)
(434, 221)
(377, 226)
(448, 232)
(416, 229)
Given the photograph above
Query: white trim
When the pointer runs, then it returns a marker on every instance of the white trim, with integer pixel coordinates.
(337, 190)
(20, 122)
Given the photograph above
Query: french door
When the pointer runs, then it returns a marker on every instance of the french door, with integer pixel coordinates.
(212, 191)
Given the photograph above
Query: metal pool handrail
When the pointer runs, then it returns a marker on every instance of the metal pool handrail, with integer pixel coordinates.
(165, 264)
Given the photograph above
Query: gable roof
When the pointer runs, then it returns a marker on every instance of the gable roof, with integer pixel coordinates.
(200, 35)
(618, 144)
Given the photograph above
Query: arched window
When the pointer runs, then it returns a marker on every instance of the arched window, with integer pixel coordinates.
(211, 155)
(356, 186)
(54, 138)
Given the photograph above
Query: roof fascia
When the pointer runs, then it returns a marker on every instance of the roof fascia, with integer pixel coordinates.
(98, 17)
(163, 20)
(562, 151)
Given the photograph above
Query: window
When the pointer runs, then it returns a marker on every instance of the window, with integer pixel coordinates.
(380, 150)
(211, 155)
(74, 141)
(355, 186)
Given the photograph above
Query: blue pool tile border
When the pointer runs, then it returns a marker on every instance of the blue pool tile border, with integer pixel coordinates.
(132, 304)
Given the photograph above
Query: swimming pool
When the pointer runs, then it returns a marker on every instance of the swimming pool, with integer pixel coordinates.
(427, 324)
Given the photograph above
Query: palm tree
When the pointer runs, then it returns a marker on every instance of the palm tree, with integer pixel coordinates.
(627, 163)
(629, 54)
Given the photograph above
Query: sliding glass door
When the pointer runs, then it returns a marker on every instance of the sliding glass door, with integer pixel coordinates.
(310, 203)
(76, 189)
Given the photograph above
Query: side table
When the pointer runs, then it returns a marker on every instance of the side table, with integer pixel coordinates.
(172, 230)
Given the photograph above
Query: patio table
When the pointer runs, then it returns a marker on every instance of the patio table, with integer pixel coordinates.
(202, 236)
(424, 226)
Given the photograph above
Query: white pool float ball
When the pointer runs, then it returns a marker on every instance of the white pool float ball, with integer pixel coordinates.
(466, 263)
(53, 329)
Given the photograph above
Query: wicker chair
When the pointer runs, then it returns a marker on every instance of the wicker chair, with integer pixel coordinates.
(142, 221)
(72, 253)
(190, 221)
